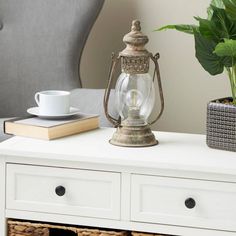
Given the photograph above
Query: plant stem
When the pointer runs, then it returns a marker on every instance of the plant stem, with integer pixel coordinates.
(234, 84)
(232, 78)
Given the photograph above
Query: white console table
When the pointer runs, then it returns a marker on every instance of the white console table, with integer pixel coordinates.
(180, 187)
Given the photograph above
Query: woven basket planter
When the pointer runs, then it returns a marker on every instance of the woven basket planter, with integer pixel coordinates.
(221, 125)
(20, 228)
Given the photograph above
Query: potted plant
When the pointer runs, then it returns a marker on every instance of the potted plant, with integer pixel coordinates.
(215, 46)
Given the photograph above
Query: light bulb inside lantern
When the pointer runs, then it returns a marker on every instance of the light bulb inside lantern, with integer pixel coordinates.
(134, 99)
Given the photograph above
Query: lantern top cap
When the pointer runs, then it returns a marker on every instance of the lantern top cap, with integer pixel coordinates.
(136, 25)
(135, 38)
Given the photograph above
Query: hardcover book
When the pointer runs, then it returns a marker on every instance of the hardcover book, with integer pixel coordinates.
(35, 127)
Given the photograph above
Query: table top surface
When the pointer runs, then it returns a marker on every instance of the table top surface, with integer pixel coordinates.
(175, 151)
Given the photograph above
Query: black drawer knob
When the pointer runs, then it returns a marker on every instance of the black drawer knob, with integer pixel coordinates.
(60, 191)
(190, 203)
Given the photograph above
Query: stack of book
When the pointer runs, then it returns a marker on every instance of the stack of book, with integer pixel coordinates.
(35, 127)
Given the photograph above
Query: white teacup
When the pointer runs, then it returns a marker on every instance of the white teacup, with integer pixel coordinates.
(53, 102)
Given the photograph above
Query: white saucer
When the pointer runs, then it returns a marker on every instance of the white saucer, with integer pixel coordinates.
(35, 111)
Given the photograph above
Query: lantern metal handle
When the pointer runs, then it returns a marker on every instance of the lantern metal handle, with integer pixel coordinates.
(158, 75)
(114, 121)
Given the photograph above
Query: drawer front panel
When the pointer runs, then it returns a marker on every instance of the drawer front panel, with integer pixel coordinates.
(87, 193)
(163, 200)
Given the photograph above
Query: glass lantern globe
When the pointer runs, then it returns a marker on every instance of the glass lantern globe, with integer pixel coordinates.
(134, 98)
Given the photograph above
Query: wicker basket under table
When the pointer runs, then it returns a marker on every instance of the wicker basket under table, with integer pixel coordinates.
(20, 228)
(147, 234)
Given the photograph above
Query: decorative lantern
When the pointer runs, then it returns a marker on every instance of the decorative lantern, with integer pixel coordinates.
(134, 92)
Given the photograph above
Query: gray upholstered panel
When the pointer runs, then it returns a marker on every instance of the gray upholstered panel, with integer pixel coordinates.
(91, 101)
(40, 47)
(2, 135)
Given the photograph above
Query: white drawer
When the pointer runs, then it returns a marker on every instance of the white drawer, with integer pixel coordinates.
(162, 200)
(87, 193)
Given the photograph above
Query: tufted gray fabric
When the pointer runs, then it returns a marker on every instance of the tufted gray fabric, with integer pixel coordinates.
(91, 101)
(40, 48)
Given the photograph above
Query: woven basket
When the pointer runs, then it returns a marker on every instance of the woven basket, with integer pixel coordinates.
(20, 228)
(146, 234)
(221, 126)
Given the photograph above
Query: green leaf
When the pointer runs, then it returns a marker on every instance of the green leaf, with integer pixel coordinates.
(189, 29)
(218, 4)
(223, 25)
(211, 62)
(227, 48)
(220, 26)
(230, 7)
(215, 3)
(208, 29)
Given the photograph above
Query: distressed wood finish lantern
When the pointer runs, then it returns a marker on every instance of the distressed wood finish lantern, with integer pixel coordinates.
(134, 92)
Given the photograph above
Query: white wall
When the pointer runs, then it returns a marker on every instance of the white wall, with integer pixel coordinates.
(187, 87)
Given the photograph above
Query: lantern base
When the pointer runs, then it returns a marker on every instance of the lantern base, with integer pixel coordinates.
(133, 136)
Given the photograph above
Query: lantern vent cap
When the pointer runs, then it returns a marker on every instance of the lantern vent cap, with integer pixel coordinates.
(136, 38)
